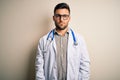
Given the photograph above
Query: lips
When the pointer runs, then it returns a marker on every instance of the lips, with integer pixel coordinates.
(61, 23)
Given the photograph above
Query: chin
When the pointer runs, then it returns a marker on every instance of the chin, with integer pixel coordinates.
(62, 27)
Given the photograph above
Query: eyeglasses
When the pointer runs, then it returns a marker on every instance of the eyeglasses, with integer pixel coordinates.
(58, 16)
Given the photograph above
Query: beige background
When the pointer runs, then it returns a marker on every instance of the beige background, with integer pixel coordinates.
(23, 22)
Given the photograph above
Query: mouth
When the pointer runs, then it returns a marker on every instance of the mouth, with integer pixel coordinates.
(61, 23)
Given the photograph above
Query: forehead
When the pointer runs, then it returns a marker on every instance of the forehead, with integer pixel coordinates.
(62, 11)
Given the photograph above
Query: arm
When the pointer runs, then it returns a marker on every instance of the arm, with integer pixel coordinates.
(39, 63)
(84, 70)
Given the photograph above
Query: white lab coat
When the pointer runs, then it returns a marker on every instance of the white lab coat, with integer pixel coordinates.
(77, 59)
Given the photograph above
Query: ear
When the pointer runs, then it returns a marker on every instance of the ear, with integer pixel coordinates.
(53, 18)
(69, 18)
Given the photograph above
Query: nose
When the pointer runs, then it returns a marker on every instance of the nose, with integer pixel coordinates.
(61, 18)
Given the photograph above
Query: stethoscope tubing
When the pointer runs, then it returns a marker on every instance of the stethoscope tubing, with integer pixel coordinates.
(52, 33)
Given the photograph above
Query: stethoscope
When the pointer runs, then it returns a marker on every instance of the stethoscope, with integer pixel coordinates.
(51, 35)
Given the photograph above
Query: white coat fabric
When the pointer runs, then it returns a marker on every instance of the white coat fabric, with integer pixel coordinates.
(77, 59)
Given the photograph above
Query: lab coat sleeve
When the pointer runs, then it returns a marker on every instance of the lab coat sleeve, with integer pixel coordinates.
(39, 64)
(84, 70)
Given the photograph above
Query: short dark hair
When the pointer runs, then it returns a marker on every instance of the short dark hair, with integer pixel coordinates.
(62, 6)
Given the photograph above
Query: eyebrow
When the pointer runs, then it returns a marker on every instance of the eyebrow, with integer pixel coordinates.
(61, 14)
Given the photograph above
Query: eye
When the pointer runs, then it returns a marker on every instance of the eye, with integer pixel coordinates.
(57, 15)
(65, 16)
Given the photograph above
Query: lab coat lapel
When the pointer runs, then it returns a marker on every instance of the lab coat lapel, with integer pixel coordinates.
(70, 42)
(54, 46)
(53, 41)
(69, 54)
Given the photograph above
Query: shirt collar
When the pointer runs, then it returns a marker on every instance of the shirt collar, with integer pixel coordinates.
(68, 31)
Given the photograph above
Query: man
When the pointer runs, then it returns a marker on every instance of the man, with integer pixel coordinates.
(62, 54)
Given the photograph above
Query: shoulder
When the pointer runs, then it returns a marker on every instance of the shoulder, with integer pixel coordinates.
(80, 38)
(77, 35)
(43, 39)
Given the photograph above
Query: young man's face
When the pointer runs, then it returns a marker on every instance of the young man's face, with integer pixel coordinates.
(61, 18)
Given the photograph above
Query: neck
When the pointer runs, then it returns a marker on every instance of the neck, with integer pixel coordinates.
(62, 32)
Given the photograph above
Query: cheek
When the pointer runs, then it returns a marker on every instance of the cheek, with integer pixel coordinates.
(56, 21)
(67, 22)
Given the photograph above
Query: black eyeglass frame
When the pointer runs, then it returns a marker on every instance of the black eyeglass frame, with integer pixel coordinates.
(64, 16)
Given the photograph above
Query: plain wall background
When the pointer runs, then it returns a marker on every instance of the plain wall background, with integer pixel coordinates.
(23, 22)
